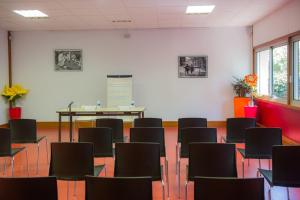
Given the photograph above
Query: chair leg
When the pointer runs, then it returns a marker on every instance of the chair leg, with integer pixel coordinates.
(27, 162)
(47, 150)
(243, 167)
(12, 165)
(176, 159)
(68, 188)
(167, 176)
(5, 166)
(37, 161)
(288, 193)
(186, 190)
(163, 189)
(105, 168)
(269, 164)
(74, 193)
(178, 179)
(259, 164)
(248, 162)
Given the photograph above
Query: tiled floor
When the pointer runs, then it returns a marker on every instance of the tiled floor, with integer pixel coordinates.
(278, 193)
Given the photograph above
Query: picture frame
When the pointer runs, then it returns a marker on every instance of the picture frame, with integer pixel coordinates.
(68, 59)
(193, 66)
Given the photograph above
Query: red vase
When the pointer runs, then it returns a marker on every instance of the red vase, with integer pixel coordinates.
(15, 113)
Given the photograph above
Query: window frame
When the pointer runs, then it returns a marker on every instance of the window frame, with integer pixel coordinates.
(271, 47)
(293, 101)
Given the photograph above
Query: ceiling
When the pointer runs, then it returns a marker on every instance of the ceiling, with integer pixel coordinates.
(99, 14)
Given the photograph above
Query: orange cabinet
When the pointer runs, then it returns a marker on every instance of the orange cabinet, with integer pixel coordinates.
(239, 104)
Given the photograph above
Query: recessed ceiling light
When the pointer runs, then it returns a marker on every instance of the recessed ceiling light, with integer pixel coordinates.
(31, 13)
(199, 9)
(122, 21)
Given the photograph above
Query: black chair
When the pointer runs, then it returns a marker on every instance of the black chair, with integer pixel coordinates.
(115, 124)
(139, 160)
(7, 151)
(208, 188)
(210, 160)
(130, 188)
(73, 161)
(148, 122)
(236, 127)
(192, 135)
(28, 188)
(258, 144)
(102, 140)
(25, 131)
(152, 135)
(286, 165)
(187, 123)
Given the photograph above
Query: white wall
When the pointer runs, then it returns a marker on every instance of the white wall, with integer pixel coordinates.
(280, 23)
(150, 55)
(3, 74)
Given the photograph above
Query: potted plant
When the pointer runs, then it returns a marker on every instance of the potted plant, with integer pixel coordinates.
(241, 90)
(12, 94)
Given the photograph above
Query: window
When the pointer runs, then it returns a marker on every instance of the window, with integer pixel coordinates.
(279, 72)
(263, 71)
(296, 71)
(277, 65)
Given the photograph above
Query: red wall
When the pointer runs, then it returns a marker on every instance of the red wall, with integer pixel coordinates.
(275, 115)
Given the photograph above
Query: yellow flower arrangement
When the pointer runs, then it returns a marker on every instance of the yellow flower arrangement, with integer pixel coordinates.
(13, 93)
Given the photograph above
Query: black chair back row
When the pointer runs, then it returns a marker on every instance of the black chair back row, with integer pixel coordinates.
(259, 142)
(236, 127)
(207, 188)
(117, 125)
(131, 188)
(188, 123)
(45, 188)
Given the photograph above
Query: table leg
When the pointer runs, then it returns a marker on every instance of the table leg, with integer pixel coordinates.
(71, 128)
(143, 114)
(59, 127)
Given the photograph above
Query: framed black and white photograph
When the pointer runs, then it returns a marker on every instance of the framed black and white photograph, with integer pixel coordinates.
(68, 59)
(192, 66)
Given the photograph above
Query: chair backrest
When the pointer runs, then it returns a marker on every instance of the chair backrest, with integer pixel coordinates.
(138, 159)
(192, 135)
(100, 137)
(23, 130)
(131, 188)
(148, 122)
(115, 124)
(190, 122)
(71, 161)
(22, 188)
(207, 188)
(212, 160)
(236, 127)
(259, 142)
(152, 135)
(5, 142)
(286, 165)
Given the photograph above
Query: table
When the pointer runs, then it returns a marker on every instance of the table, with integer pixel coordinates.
(99, 111)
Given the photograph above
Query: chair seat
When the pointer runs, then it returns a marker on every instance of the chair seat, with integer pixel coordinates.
(97, 170)
(253, 156)
(37, 140)
(267, 174)
(233, 140)
(14, 151)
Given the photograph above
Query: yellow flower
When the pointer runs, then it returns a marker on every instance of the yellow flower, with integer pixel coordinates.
(14, 92)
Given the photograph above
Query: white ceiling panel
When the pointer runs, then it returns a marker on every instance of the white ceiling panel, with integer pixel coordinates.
(99, 14)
